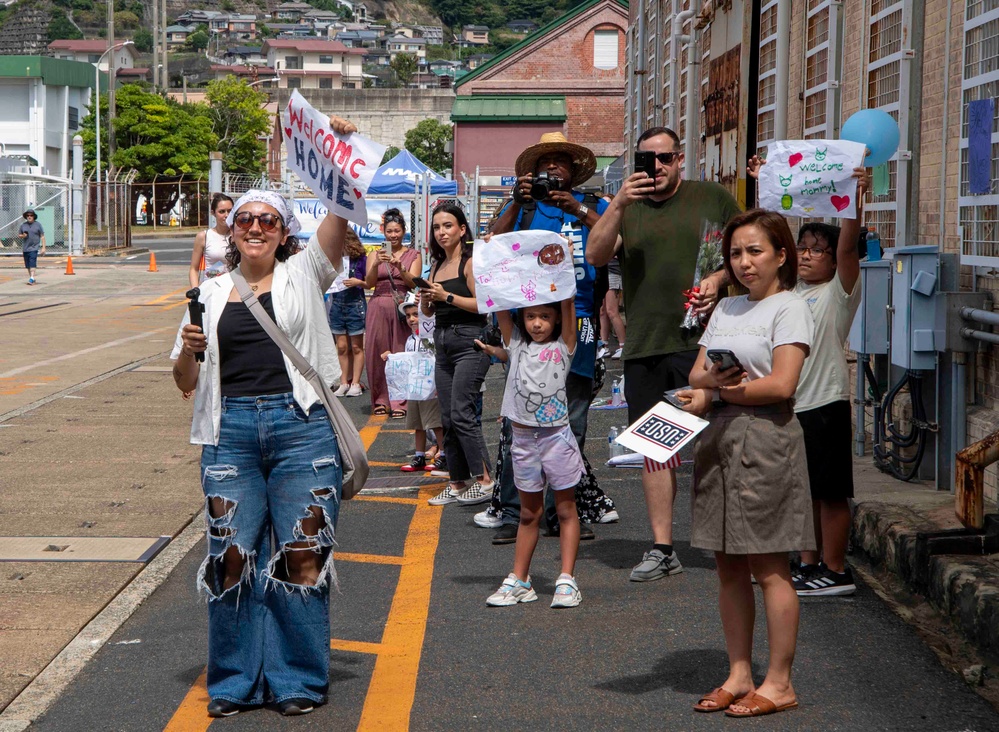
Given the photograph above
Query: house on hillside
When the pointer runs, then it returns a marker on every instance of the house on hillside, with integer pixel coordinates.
(477, 59)
(290, 12)
(197, 17)
(522, 26)
(264, 74)
(250, 55)
(433, 34)
(475, 35)
(91, 51)
(314, 64)
(568, 76)
(176, 36)
(401, 44)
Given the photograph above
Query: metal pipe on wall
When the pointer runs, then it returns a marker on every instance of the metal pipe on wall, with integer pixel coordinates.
(693, 130)
(977, 315)
(783, 59)
(76, 245)
(676, 37)
(980, 335)
(640, 70)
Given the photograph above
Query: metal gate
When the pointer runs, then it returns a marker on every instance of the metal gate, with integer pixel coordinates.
(109, 211)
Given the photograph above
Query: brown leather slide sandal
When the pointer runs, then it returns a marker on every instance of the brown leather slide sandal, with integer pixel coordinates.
(723, 700)
(759, 706)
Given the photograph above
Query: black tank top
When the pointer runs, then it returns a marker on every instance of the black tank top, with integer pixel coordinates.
(252, 364)
(451, 314)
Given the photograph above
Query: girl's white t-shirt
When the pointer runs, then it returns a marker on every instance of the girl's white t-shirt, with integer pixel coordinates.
(753, 329)
(535, 393)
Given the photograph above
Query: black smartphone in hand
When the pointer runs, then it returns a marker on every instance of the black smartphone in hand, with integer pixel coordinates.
(724, 358)
(421, 283)
(645, 162)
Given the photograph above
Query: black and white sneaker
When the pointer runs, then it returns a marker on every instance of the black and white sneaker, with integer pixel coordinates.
(826, 583)
(218, 708)
(802, 572)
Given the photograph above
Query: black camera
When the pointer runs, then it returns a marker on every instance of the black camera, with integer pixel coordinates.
(543, 185)
(491, 336)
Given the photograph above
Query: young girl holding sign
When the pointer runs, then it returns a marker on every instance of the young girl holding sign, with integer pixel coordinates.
(543, 450)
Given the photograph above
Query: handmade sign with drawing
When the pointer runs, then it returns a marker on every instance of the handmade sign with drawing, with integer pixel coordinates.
(522, 268)
(811, 178)
(337, 169)
(410, 375)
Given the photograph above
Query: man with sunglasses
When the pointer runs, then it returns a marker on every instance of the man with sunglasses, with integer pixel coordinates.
(573, 214)
(656, 225)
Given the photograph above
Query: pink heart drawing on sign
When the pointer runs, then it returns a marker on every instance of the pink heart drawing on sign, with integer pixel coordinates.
(357, 193)
(489, 303)
(515, 247)
(840, 202)
(795, 159)
(287, 132)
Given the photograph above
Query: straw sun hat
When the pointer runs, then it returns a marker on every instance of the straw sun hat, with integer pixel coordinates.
(584, 164)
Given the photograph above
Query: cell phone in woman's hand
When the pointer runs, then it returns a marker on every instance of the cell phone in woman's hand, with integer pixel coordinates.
(421, 283)
(724, 358)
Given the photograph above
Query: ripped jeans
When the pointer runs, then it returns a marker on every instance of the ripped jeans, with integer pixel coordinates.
(272, 489)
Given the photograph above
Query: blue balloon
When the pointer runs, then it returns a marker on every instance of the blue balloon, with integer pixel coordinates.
(876, 129)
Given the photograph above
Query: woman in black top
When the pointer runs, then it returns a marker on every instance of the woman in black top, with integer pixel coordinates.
(460, 368)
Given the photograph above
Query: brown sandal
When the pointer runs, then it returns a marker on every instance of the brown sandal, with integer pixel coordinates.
(398, 414)
(379, 410)
(723, 700)
(758, 706)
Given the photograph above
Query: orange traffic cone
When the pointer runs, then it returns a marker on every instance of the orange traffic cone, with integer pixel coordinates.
(152, 262)
(69, 266)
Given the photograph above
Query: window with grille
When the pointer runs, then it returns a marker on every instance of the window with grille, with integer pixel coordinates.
(817, 70)
(978, 214)
(767, 102)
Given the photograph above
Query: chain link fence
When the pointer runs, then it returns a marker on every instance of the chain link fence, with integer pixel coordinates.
(109, 211)
(49, 200)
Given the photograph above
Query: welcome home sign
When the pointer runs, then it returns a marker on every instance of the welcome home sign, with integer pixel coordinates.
(337, 169)
(811, 178)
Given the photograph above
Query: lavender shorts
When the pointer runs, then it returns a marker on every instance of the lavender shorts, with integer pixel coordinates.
(545, 454)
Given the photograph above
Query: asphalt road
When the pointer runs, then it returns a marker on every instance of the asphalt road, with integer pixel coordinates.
(416, 647)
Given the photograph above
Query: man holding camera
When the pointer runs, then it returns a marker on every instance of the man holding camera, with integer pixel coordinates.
(657, 222)
(543, 198)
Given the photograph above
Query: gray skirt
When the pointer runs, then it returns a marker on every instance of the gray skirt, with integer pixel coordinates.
(751, 491)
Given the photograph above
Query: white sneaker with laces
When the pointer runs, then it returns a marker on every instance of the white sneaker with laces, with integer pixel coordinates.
(446, 496)
(617, 353)
(511, 592)
(476, 493)
(567, 593)
(611, 517)
(487, 520)
(342, 389)
(354, 390)
(602, 352)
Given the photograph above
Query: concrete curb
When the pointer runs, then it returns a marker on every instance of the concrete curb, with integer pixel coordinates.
(964, 588)
(49, 685)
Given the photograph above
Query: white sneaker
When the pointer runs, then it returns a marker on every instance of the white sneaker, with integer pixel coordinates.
(511, 592)
(487, 520)
(617, 353)
(342, 389)
(475, 493)
(602, 352)
(611, 517)
(567, 593)
(354, 390)
(446, 496)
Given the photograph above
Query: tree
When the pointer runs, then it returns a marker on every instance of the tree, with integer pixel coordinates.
(61, 28)
(238, 120)
(404, 65)
(427, 141)
(197, 41)
(143, 40)
(390, 152)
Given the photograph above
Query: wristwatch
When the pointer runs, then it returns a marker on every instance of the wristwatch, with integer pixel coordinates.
(716, 400)
(449, 299)
(583, 211)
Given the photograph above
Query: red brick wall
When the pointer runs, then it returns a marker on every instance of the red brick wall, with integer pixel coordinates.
(494, 147)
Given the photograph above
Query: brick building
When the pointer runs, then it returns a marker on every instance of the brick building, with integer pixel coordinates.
(568, 76)
(798, 69)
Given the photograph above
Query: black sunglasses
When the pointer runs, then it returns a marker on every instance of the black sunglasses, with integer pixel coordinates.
(667, 158)
(268, 221)
(392, 218)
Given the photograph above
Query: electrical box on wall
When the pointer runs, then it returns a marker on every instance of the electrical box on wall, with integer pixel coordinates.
(914, 274)
(869, 332)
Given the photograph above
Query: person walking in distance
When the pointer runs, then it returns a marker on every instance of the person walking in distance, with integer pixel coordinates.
(210, 245)
(270, 462)
(544, 449)
(829, 280)
(750, 502)
(32, 237)
(657, 225)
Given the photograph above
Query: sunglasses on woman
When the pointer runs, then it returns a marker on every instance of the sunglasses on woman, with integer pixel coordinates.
(393, 219)
(267, 221)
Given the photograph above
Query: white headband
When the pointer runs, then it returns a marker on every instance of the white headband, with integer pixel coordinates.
(278, 203)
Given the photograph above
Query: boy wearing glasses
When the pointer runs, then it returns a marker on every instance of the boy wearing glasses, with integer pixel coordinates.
(661, 222)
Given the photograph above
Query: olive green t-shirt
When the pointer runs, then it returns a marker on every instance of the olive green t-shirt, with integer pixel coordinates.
(658, 257)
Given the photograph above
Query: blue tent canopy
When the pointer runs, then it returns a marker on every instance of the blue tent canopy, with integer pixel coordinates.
(398, 175)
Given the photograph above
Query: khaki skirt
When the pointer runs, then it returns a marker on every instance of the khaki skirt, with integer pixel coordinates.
(751, 491)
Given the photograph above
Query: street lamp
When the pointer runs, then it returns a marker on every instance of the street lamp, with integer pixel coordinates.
(97, 119)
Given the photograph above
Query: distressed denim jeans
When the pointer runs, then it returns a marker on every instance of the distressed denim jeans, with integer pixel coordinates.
(274, 468)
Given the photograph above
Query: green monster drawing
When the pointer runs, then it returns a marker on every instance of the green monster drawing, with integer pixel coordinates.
(785, 201)
(820, 155)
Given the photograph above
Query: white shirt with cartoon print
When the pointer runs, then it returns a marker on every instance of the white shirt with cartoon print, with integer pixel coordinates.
(535, 393)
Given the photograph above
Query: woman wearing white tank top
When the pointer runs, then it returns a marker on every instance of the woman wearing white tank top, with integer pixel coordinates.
(211, 243)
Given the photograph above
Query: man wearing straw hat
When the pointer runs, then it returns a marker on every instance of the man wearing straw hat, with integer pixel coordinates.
(563, 166)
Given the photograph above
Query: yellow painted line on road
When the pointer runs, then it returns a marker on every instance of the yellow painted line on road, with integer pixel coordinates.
(369, 558)
(192, 715)
(392, 690)
(355, 646)
(387, 499)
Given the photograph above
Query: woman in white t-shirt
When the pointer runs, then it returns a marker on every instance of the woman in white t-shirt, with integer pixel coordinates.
(210, 245)
(750, 501)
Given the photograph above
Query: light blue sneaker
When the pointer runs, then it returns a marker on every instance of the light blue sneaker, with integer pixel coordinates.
(511, 592)
(567, 593)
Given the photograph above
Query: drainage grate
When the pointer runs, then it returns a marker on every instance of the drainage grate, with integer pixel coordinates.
(80, 549)
(403, 482)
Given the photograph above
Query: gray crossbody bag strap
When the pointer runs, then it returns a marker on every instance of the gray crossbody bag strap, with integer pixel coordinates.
(353, 456)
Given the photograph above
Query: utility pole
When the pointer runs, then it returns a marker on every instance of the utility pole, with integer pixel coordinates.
(111, 82)
(166, 72)
(156, 45)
